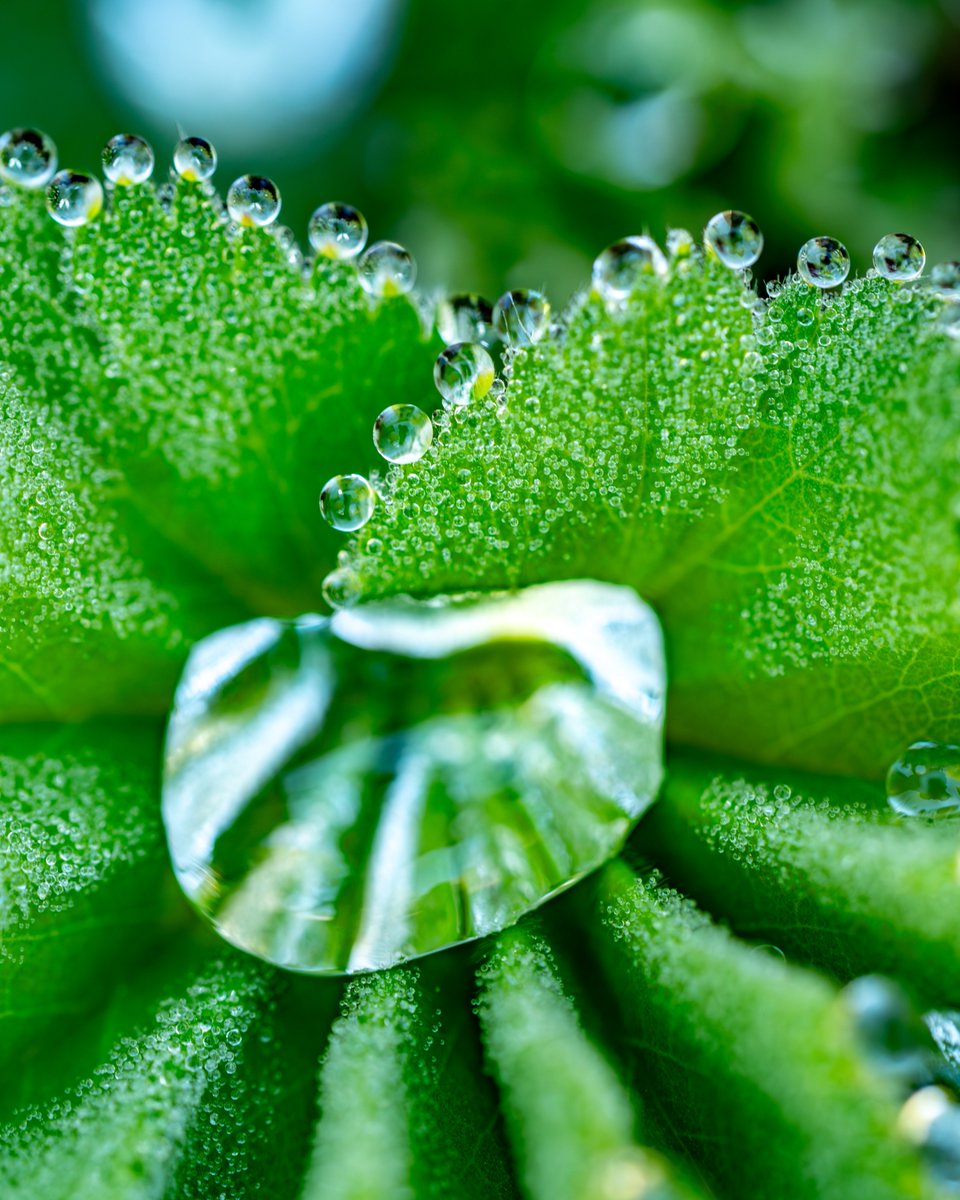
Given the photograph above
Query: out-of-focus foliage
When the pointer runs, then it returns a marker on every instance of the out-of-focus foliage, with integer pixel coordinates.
(508, 148)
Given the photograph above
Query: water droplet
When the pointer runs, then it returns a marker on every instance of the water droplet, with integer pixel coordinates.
(521, 317)
(681, 244)
(465, 318)
(463, 372)
(945, 278)
(805, 316)
(823, 262)
(402, 433)
(949, 321)
(338, 791)
(337, 230)
(619, 270)
(253, 200)
(734, 238)
(27, 157)
(347, 502)
(341, 588)
(195, 159)
(387, 269)
(925, 780)
(930, 1119)
(898, 256)
(782, 792)
(74, 199)
(127, 159)
(890, 1031)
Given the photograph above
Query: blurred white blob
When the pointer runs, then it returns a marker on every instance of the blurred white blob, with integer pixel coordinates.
(247, 74)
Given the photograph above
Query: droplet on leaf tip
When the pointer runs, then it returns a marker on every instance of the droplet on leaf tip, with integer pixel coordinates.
(195, 159)
(127, 160)
(337, 230)
(402, 433)
(347, 502)
(735, 238)
(253, 201)
(28, 158)
(386, 269)
(899, 257)
(620, 269)
(823, 262)
(74, 199)
(521, 317)
(463, 372)
(465, 317)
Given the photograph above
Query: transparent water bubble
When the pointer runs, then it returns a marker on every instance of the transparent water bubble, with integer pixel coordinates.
(195, 159)
(945, 279)
(74, 199)
(127, 159)
(28, 158)
(347, 502)
(463, 372)
(387, 269)
(735, 238)
(890, 1031)
(402, 433)
(465, 317)
(823, 262)
(521, 317)
(337, 230)
(253, 200)
(343, 793)
(621, 268)
(341, 588)
(898, 256)
(930, 1119)
(925, 780)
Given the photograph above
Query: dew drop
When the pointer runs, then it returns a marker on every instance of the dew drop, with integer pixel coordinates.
(681, 245)
(949, 321)
(127, 159)
(347, 502)
(930, 1119)
(620, 269)
(27, 157)
(387, 269)
(74, 199)
(337, 230)
(898, 256)
(463, 372)
(925, 781)
(341, 588)
(402, 433)
(734, 238)
(521, 317)
(890, 1032)
(945, 278)
(253, 200)
(195, 159)
(823, 262)
(465, 318)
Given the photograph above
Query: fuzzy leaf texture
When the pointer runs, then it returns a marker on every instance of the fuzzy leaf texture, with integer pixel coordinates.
(776, 478)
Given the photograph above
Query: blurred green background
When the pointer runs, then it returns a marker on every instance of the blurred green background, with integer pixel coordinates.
(507, 144)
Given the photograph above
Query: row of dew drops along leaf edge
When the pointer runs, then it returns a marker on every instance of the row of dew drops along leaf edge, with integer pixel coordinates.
(925, 780)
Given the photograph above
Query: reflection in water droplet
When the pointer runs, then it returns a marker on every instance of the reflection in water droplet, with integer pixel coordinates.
(127, 159)
(195, 159)
(621, 268)
(823, 262)
(925, 781)
(74, 199)
(253, 200)
(463, 372)
(27, 158)
(945, 278)
(387, 269)
(341, 794)
(734, 238)
(465, 318)
(347, 502)
(337, 230)
(521, 317)
(898, 256)
(402, 433)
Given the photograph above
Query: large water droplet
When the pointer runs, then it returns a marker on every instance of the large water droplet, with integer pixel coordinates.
(127, 159)
(521, 317)
(890, 1031)
(463, 372)
(337, 230)
(945, 278)
(253, 200)
(387, 269)
(27, 158)
(621, 268)
(195, 159)
(347, 502)
(930, 1119)
(74, 199)
(898, 256)
(465, 318)
(402, 433)
(823, 262)
(344, 793)
(734, 238)
(925, 780)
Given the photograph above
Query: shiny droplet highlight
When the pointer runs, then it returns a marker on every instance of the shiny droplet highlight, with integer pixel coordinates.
(127, 160)
(823, 262)
(253, 201)
(735, 238)
(925, 780)
(194, 159)
(386, 269)
(623, 267)
(402, 433)
(521, 317)
(463, 372)
(347, 502)
(28, 158)
(74, 199)
(337, 231)
(898, 256)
